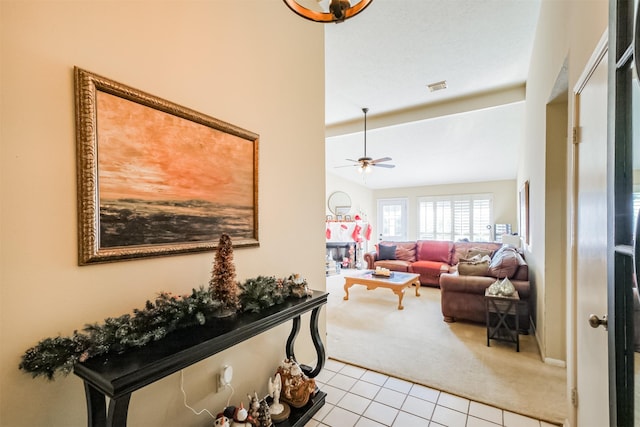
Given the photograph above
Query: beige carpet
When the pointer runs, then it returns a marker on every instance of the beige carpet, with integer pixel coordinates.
(417, 345)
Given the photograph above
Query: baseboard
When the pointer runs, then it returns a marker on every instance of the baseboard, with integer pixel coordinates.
(555, 362)
(543, 357)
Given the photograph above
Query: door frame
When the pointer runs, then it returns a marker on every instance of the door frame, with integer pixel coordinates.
(599, 52)
(621, 224)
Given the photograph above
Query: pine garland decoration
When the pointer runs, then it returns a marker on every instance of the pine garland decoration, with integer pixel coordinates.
(262, 292)
(167, 313)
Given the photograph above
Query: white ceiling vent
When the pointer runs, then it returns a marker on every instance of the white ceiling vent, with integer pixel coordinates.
(437, 86)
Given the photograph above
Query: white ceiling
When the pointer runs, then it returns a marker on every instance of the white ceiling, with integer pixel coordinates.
(384, 58)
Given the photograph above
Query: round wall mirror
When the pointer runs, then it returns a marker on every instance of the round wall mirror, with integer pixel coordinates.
(339, 203)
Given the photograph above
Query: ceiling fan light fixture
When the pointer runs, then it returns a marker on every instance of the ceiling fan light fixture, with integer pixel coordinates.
(434, 87)
(366, 164)
(338, 10)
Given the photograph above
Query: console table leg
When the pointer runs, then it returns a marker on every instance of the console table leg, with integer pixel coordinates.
(295, 328)
(118, 409)
(317, 343)
(96, 406)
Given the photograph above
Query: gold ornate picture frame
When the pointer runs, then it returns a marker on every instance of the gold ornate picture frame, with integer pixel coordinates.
(155, 178)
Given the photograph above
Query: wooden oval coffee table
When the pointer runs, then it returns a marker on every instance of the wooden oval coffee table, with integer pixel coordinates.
(397, 282)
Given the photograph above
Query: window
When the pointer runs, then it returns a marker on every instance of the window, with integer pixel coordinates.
(636, 207)
(468, 216)
(392, 219)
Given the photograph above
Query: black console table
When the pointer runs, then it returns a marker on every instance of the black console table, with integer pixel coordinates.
(118, 375)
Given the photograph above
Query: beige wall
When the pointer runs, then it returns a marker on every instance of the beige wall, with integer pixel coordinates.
(361, 197)
(566, 29)
(361, 201)
(252, 63)
(504, 199)
(555, 224)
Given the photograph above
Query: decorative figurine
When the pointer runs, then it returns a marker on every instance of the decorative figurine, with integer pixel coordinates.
(223, 285)
(279, 411)
(494, 289)
(229, 411)
(299, 286)
(254, 405)
(507, 288)
(297, 388)
(221, 421)
(264, 417)
(504, 287)
(241, 418)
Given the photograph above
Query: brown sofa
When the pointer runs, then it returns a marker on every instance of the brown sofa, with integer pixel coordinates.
(462, 284)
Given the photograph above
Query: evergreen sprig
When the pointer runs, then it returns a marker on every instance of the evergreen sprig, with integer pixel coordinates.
(262, 292)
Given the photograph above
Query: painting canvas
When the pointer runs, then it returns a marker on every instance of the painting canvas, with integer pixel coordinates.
(156, 178)
(524, 212)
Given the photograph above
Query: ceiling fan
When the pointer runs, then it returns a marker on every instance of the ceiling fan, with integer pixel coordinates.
(364, 163)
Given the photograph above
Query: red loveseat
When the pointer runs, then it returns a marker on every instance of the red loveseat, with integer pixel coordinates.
(428, 258)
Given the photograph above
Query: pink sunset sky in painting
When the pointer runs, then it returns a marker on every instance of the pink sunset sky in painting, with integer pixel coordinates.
(148, 154)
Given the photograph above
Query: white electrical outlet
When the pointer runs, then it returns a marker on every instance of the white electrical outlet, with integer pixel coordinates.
(225, 376)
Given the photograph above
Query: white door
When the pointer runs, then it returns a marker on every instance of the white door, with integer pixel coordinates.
(392, 220)
(590, 239)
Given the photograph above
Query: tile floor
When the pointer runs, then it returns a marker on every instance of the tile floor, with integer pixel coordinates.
(357, 397)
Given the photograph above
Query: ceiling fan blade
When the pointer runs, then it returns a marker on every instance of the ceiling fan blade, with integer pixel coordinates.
(383, 166)
(351, 160)
(347, 166)
(383, 159)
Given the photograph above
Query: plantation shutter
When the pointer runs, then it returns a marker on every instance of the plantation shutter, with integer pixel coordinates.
(461, 219)
(455, 217)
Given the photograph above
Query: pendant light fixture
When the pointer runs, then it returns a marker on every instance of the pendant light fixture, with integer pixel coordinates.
(327, 10)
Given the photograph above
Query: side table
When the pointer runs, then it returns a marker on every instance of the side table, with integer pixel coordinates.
(499, 310)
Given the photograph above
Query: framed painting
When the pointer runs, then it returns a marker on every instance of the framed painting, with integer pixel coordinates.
(524, 212)
(155, 178)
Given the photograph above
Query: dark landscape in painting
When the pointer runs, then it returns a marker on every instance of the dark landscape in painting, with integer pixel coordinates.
(134, 222)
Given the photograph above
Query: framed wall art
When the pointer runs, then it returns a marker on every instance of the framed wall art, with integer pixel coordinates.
(523, 226)
(155, 178)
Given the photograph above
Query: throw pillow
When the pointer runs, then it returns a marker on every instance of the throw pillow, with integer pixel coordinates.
(473, 268)
(504, 263)
(405, 254)
(479, 251)
(386, 252)
(477, 258)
